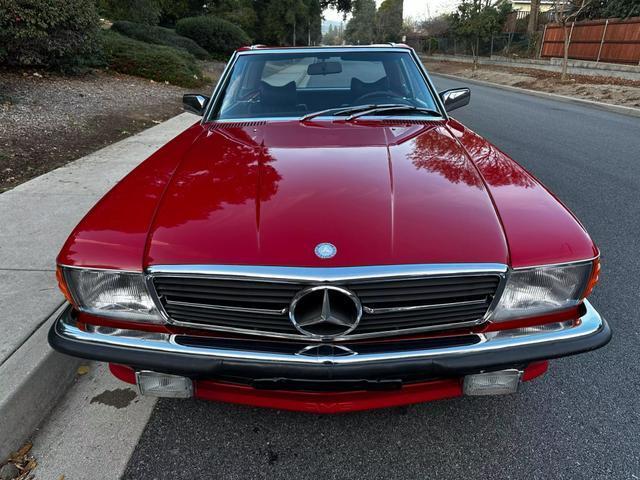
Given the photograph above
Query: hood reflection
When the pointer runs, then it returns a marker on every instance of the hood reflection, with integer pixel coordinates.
(434, 151)
(496, 168)
(234, 170)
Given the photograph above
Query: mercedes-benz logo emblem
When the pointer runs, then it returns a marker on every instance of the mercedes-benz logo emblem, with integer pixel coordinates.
(325, 311)
(325, 250)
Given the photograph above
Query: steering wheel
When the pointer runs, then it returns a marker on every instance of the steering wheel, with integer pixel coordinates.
(387, 96)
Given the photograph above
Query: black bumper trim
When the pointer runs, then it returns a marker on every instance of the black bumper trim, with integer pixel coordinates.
(218, 358)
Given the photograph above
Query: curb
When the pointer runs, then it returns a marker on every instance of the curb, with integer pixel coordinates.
(32, 380)
(629, 111)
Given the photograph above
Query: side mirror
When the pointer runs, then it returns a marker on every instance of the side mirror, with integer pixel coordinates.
(195, 103)
(455, 98)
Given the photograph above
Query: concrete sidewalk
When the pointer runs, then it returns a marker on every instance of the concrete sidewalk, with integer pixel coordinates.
(574, 67)
(36, 218)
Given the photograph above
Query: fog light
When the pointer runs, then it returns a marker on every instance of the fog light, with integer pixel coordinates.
(163, 385)
(492, 383)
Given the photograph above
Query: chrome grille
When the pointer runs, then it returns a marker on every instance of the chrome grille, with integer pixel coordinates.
(392, 306)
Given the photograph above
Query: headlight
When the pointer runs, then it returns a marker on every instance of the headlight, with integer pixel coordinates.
(111, 294)
(542, 290)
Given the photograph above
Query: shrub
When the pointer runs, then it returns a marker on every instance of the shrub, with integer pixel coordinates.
(219, 37)
(139, 11)
(157, 62)
(160, 36)
(48, 33)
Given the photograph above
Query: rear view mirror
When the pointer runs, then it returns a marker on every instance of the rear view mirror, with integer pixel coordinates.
(455, 98)
(324, 68)
(195, 103)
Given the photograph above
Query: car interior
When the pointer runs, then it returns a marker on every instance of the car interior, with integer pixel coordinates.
(295, 86)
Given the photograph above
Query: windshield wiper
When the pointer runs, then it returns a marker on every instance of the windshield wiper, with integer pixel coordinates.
(343, 110)
(394, 108)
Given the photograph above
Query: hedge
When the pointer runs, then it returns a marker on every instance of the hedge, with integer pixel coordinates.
(156, 62)
(48, 33)
(219, 37)
(139, 11)
(160, 36)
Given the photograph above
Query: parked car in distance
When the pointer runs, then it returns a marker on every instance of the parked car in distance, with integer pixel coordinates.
(327, 239)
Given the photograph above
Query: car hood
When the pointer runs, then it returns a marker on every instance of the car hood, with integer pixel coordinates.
(267, 194)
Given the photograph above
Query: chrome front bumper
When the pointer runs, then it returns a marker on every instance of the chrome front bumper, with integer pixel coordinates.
(442, 356)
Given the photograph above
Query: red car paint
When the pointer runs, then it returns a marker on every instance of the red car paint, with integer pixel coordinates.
(392, 192)
(431, 192)
(336, 402)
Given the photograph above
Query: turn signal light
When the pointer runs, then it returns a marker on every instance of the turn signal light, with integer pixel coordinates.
(593, 281)
(62, 285)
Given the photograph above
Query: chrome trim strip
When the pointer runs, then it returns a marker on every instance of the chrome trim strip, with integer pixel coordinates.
(329, 274)
(100, 269)
(561, 264)
(331, 49)
(379, 311)
(357, 336)
(589, 324)
(218, 88)
(225, 308)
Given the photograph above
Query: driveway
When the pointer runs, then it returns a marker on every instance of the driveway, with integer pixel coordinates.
(581, 420)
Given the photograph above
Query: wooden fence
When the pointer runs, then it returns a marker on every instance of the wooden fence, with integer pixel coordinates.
(612, 40)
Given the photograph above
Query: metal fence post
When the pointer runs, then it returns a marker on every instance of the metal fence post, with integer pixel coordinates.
(604, 32)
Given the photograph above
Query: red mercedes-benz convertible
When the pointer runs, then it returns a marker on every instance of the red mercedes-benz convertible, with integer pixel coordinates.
(328, 239)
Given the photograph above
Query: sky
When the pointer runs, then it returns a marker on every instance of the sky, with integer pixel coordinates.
(418, 9)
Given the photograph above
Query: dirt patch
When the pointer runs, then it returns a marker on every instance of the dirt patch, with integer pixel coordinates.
(49, 120)
(615, 91)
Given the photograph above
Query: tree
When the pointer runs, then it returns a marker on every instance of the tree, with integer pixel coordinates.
(477, 20)
(344, 6)
(313, 33)
(284, 21)
(334, 35)
(239, 12)
(532, 26)
(612, 9)
(564, 14)
(138, 11)
(361, 28)
(389, 21)
(173, 10)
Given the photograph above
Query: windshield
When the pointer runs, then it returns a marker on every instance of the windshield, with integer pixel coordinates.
(297, 84)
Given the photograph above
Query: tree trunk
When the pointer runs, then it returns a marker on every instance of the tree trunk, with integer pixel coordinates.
(476, 52)
(565, 57)
(294, 31)
(532, 27)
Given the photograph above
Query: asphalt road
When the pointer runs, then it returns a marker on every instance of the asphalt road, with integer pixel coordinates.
(581, 420)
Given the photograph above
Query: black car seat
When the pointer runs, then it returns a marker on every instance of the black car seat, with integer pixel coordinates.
(281, 99)
(359, 88)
